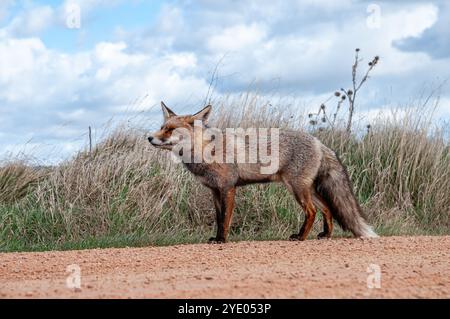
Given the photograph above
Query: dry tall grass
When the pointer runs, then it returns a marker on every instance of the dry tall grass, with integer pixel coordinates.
(127, 193)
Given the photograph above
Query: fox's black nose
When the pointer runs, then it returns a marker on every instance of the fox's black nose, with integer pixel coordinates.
(150, 139)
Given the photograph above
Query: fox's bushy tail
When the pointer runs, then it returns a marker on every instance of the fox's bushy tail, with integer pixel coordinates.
(333, 185)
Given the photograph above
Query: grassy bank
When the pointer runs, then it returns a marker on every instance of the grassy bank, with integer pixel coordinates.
(126, 193)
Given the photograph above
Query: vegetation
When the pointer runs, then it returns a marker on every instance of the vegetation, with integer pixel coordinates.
(126, 193)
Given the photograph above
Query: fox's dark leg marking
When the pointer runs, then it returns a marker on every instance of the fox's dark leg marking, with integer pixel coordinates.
(303, 197)
(327, 217)
(224, 204)
(327, 223)
(219, 217)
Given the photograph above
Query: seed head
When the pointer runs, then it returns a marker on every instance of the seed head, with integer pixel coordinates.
(374, 61)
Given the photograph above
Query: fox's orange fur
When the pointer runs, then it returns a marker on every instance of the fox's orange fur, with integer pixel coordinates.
(310, 171)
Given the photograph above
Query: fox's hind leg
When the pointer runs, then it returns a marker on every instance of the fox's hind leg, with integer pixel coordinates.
(327, 216)
(303, 195)
(305, 201)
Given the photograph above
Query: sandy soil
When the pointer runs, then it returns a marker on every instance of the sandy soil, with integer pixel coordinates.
(411, 267)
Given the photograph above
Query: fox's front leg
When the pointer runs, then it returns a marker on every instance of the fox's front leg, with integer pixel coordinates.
(224, 204)
(219, 217)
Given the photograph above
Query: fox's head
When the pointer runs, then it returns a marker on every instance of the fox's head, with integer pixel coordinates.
(176, 126)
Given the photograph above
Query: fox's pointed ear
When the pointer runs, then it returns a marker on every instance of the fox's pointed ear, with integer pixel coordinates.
(166, 111)
(203, 114)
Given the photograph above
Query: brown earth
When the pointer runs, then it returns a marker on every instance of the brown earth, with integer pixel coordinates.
(411, 267)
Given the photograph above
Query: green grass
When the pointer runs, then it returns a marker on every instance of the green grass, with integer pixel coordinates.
(32, 229)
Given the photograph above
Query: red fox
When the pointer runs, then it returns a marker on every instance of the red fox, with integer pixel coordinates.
(309, 170)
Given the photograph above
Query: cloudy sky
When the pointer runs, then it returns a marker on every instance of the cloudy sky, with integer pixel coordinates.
(67, 65)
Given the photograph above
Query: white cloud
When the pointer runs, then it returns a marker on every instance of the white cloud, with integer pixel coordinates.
(306, 45)
(300, 48)
(31, 21)
(237, 37)
(33, 18)
(88, 6)
(43, 89)
(31, 72)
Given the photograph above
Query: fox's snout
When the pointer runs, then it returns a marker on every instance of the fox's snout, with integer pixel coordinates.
(155, 141)
(160, 142)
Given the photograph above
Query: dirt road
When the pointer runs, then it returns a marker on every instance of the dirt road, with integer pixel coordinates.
(411, 267)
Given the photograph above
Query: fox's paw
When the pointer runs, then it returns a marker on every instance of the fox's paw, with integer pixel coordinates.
(324, 235)
(216, 240)
(295, 237)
